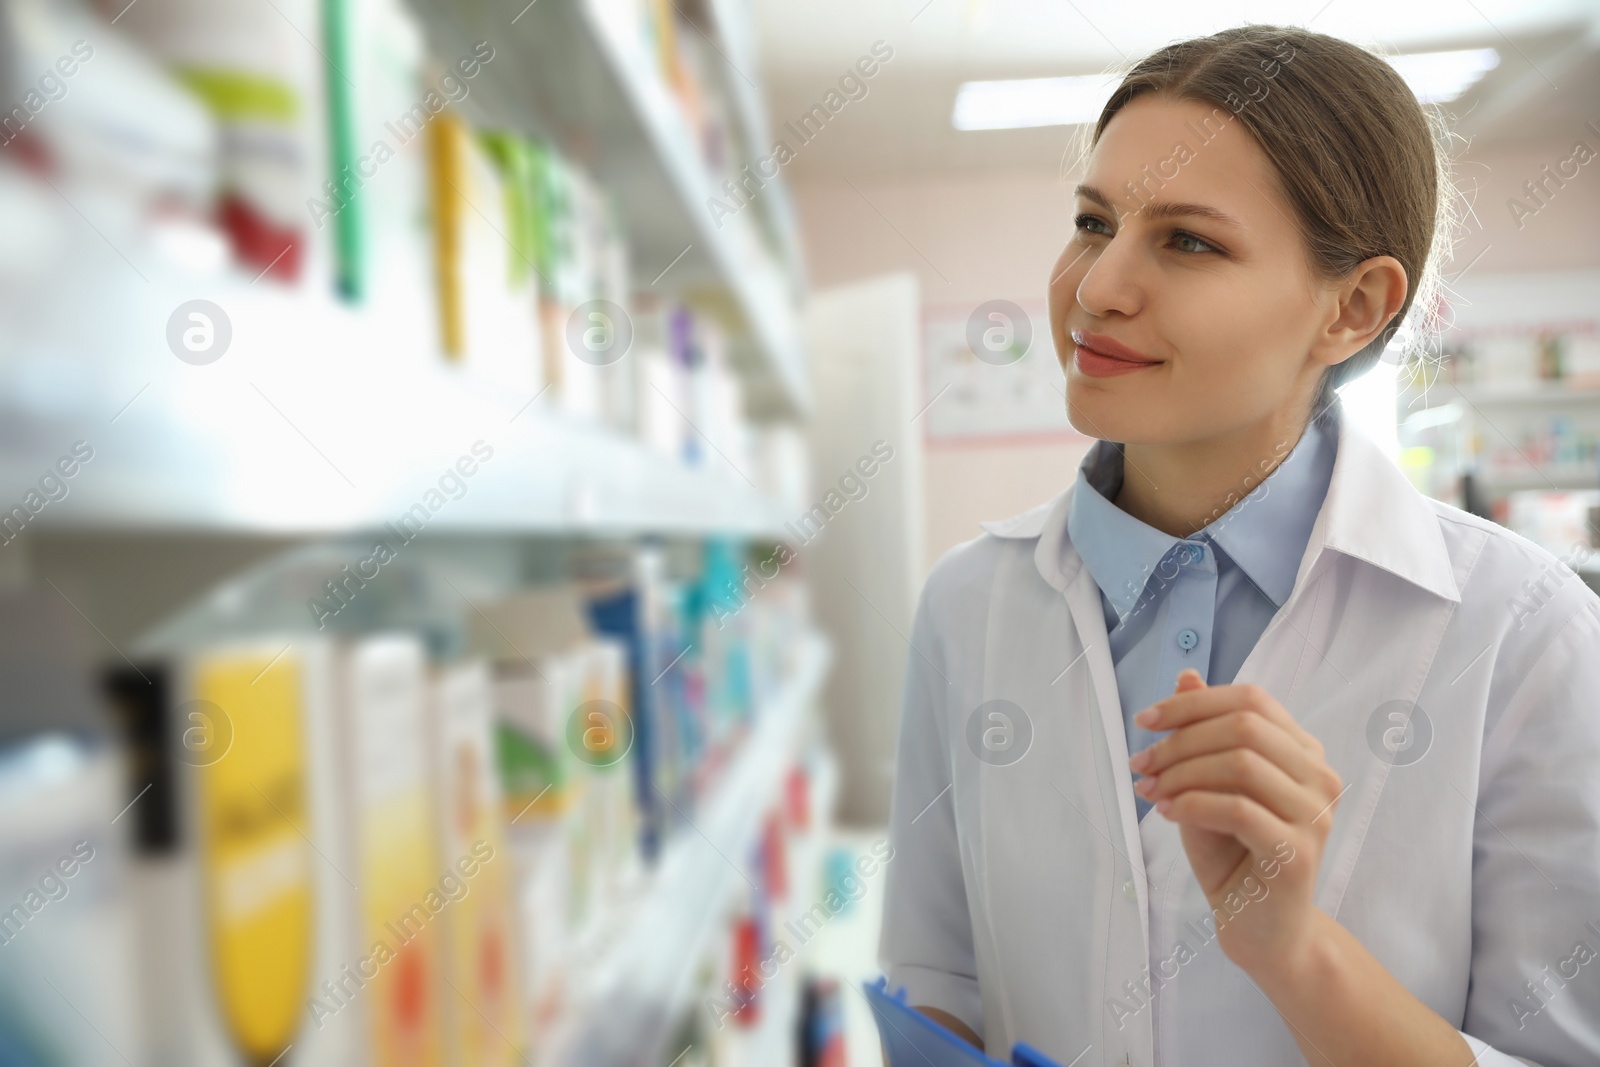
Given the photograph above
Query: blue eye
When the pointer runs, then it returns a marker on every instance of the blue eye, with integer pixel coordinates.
(1081, 219)
(1180, 235)
(1082, 223)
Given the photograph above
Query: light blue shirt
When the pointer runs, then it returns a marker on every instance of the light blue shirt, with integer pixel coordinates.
(1200, 601)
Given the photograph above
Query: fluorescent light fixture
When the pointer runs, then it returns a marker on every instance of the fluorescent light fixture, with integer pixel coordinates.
(1021, 102)
(1439, 77)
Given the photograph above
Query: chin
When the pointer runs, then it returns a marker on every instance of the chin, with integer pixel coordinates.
(1097, 411)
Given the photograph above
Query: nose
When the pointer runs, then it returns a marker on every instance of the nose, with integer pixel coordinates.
(1111, 281)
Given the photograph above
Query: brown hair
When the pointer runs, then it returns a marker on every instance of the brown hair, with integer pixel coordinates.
(1363, 164)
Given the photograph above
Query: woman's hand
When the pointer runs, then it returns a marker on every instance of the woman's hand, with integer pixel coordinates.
(1254, 797)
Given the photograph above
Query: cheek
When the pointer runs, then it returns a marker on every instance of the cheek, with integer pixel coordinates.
(1062, 292)
(1259, 336)
(1231, 329)
(1066, 272)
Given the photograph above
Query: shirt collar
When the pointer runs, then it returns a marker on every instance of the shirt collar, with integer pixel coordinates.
(1371, 512)
(1263, 529)
(1121, 552)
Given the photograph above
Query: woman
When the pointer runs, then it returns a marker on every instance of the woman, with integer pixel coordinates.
(1376, 827)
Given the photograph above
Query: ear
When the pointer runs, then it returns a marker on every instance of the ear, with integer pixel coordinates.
(1360, 307)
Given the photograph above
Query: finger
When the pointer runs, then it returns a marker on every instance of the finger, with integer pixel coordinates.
(1235, 729)
(1238, 770)
(1230, 813)
(1191, 705)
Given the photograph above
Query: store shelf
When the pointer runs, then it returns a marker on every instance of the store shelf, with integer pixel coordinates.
(319, 419)
(632, 995)
(575, 73)
(1564, 476)
(1515, 426)
(1510, 393)
(737, 39)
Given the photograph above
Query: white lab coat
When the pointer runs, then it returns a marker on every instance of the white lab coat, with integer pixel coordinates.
(1024, 898)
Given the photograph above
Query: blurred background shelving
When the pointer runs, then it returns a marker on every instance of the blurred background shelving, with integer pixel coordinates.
(1504, 419)
(72, 370)
(396, 356)
(665, 149)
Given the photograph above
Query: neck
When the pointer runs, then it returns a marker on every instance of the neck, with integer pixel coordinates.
(1181, 488)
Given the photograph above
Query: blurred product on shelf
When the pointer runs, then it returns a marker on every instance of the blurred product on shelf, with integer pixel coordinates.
(781, 465)
(797, 795)
(69, 942)
(582, 309)
(839, 870)
(661, 384)
(251, 70)
(340, 93)
(483, 1009)
(252, 735)
(1561, 522)
(67, 932)
(774, 857)
(395, 847)
(487, 294)
(821, 1024)
(94, 115)
(688, 400)
(747, 958)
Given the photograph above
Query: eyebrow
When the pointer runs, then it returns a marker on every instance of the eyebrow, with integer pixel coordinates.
(1161, 209)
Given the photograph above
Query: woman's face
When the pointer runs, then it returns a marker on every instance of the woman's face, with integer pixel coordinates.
(1221, 300)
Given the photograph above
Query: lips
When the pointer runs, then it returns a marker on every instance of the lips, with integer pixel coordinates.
(1100, 356)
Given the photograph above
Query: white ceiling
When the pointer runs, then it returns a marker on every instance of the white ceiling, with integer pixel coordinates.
(1547, 84)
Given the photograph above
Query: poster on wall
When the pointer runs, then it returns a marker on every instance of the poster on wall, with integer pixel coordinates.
(990, 373)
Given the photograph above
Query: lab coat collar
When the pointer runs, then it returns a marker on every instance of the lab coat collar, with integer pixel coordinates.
(1371, 512)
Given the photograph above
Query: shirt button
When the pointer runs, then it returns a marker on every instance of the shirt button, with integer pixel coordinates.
(1128, 890)
(1193, 553)
(1187, 639)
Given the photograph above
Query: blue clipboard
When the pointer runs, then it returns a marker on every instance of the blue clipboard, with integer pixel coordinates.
(914, 1040)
